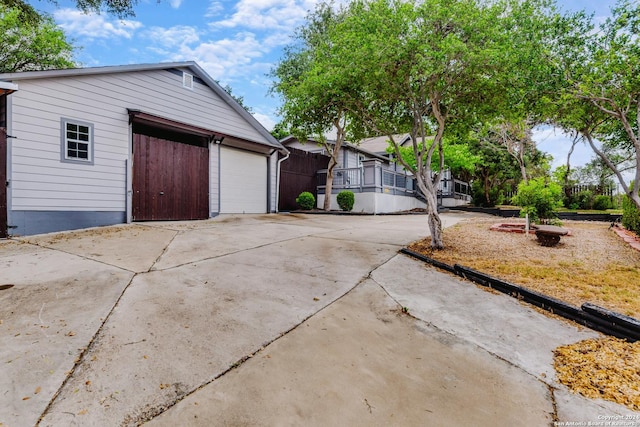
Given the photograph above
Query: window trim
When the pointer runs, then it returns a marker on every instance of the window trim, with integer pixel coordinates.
(64, 158)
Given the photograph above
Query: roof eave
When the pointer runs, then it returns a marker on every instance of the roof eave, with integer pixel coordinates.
(7, 88)
(236, 106)
(270, 140)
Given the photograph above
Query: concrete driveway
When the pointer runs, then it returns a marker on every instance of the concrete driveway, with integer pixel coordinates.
(268, 320)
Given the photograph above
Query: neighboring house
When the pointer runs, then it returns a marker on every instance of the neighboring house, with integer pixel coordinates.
(367, 168)
(381, 186)
(108, 145)
(451, 191)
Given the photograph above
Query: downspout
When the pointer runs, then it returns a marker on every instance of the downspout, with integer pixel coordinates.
(6, 89)
(278, 177)
(269, 194)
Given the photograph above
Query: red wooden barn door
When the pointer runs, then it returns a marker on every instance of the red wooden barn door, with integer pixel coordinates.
(170, 180)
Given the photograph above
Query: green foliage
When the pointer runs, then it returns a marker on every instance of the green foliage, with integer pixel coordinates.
(495, 195)
(280, 130)
(458, 157)
(27, 12)
(538, 198)
(601, 86)
(602, 203)
(28, 45)
(584, 199)
(238, 98)
(306, 200)
(119, 8)
(346, 199)
(630, 214)
(430, 68)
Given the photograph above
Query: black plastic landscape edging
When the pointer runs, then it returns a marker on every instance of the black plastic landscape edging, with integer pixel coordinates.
(435, 263)
(612, 316)
(590, 315)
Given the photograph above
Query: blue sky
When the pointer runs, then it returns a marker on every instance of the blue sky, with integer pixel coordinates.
(236, 41)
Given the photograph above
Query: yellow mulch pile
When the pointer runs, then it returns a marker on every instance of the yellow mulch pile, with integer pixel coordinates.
(607, 368)
(592, 265)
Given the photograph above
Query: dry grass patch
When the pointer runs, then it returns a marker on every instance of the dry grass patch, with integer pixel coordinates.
(592, 265)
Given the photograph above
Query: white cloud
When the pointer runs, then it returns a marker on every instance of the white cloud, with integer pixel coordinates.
(267, 14)
(214, 9)
(175, 36)
(265, 120)
(226, 59)
(175, 3)
(93, 26)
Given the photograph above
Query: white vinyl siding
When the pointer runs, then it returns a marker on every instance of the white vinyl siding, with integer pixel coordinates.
(102, 100)
(243, 181)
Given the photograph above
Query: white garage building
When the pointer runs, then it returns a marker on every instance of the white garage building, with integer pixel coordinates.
(107, 145)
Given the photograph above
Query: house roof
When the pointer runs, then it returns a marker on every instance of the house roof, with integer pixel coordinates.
(190, 65)
(379, 144)
(289, 139)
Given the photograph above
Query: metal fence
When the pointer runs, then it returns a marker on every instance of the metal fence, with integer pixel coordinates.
(378, 179)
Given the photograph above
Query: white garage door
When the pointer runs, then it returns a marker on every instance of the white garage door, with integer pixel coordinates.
(243, 181)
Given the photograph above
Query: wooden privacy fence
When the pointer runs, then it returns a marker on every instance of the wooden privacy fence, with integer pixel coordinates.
(298, 174)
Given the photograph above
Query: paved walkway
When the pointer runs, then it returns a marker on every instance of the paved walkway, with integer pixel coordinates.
(267, 320)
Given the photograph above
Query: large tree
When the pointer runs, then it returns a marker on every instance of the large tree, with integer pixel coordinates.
(315, 98)
(31, 43)
(119, 8)
(436, 68)
(516, 138)
(432, 68)
(601, 100)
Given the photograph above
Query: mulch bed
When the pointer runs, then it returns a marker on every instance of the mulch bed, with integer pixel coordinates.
(595, 264)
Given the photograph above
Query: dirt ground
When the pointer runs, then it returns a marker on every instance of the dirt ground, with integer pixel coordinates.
(593, 265)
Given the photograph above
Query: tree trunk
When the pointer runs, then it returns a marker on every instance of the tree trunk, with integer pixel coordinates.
(487, 196)
(523, 172)
(435, 223)
(633, 193)
(333, 161)
(430, 193)
(567, 190)
(329, 184)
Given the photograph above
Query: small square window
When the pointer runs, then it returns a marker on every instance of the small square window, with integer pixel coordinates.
(77, 141)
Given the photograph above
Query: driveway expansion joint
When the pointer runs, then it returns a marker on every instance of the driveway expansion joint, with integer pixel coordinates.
(85, 350)
(86, 258)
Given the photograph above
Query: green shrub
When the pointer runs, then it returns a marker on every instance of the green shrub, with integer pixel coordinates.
(306, 200)
(478, 198)
(346, 199)
(538, 198)
(584, 199)
(630, 215)
(602, 203)
(617, 201)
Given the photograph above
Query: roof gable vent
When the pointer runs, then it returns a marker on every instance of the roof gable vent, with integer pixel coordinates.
(187, 80)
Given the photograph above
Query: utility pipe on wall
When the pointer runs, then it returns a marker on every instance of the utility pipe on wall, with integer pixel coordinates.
(278, 179)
